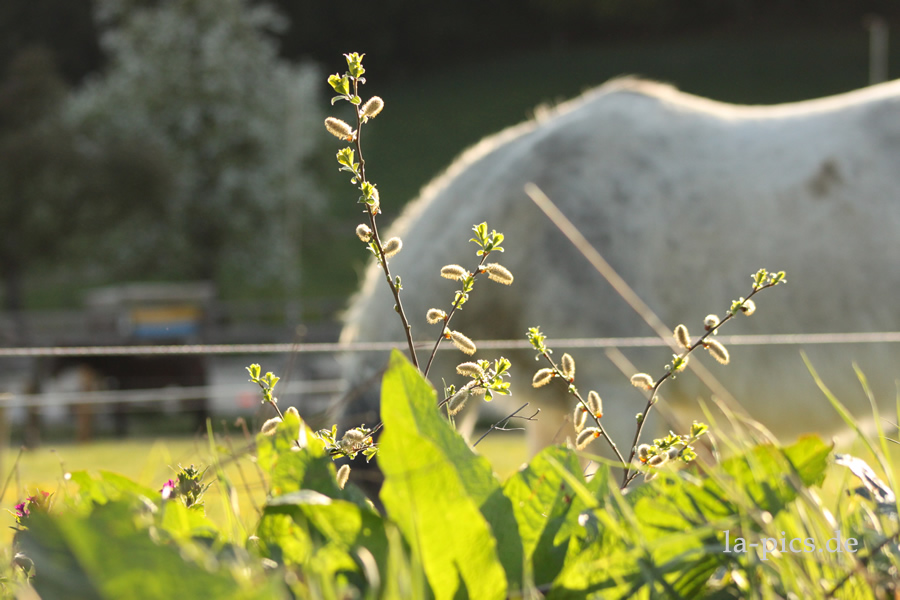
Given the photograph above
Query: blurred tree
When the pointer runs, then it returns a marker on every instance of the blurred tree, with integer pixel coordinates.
(53, 188)
(64, 27)
(202, 83)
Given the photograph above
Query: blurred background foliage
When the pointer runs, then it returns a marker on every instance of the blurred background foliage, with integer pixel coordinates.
(181, 139)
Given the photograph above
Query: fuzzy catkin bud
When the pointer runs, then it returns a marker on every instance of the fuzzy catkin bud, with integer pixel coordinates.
(748, 307)
(363, 232)
(658, 460)
(372, 107)
(595, 404)
(585, 437)
(392, 247)
(269, 427)
(711, 322)
(353, 439)
(683, 337)
(339, 129)
(498, 273)
(542, 377)
(462, 343)
(453, 272)
(457, 401)
(470, 369)
(644, 452)
(718, 351)
(580, 417)
(642, 380)
(292, 410)
(435, 315)
(567, 366)
(343, 475)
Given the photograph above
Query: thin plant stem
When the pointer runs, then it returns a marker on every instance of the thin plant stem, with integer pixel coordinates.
(395, 289)
(456, 305)
(496, 426)
(574, 391)
(628, 476)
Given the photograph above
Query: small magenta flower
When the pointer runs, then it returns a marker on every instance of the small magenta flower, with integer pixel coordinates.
(39, 502)
(168, 490)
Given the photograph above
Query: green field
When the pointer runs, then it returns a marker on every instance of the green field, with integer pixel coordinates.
(152, 461)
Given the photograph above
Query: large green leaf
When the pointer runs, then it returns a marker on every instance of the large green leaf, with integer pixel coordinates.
(546, 510)
(106, 555)
(665, 536)
(444, 498)
(323, 536)
(102, 486)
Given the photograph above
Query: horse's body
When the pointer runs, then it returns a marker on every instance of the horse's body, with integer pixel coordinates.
(686, 198)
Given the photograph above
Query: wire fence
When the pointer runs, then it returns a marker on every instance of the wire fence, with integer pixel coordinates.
(306, 348)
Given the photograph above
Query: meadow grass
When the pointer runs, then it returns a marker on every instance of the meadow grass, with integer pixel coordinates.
(152, 461)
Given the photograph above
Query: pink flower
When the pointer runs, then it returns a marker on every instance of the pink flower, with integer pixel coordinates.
(168, 489)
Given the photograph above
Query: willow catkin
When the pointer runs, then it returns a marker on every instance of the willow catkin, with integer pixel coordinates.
(642, 380)
(372, 107)
(567, 366)
(718, 351)
(339, 129)
(498, 273)
(683, 337)
(462, 343)
(542, 377)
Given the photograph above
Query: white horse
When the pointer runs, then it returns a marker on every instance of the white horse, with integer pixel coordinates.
(686, 198)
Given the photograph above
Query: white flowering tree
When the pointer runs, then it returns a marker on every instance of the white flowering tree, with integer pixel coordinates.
(202, 83)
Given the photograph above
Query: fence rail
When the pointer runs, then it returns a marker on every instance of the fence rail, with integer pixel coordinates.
(301, 348)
